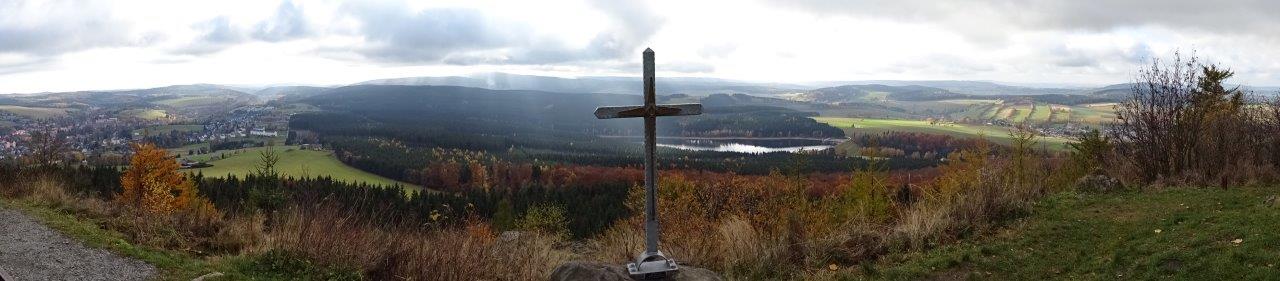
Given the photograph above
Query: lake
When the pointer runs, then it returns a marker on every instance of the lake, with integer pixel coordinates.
(745, 145)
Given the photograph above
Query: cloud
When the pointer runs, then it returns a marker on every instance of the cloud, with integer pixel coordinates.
(53, 27)
(288, 23)
(633, 24)
(216, 35)
(688, 67)
(1064, 55)
(395, 33)
(992, 20)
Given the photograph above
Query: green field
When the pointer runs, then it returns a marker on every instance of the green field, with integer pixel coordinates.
(1036, 113)
(1172, 234)
(165, 129)
(34, 112)
(182, 151)
(148, 114)
(994, 133)
(293, 162)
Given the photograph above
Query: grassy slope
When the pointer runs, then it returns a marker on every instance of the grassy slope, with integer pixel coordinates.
(993, 133)
(1113, 236)
(34, 112)
(296, 163)
(148, 114)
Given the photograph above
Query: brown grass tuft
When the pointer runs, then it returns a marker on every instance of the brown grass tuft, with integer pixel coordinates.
(473, 252)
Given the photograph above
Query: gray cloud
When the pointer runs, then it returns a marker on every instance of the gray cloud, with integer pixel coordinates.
(1066, 56)
(989, 20)
(467, 37)
(216, 34)
(220, 33)
(397, 34)
(288, 23)
(53, 27)
(633, 23)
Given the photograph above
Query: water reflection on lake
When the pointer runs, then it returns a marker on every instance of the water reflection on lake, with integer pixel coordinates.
(753, 146)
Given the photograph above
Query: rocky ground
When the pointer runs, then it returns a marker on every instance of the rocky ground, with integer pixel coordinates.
(32, 251)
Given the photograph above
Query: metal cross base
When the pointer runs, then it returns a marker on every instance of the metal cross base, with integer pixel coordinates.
(651, 266)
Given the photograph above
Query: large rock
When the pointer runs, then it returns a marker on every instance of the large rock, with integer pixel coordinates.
(594, 271)
(1098, 182)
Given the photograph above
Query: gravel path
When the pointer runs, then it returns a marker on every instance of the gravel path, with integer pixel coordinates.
(32, 251)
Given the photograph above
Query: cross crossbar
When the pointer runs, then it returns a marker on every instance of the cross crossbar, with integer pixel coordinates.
(609, 112)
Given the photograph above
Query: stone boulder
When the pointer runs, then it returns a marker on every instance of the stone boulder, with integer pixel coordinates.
(594, 271)
(1098, 183)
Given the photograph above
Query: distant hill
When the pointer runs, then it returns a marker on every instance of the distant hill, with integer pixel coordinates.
(454, 110)
(192, 100)
(873, 92)
(594, 84)
(289, 92)
(963, 87)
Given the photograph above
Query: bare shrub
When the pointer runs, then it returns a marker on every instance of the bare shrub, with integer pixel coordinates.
(922, 227)
(48, 190)
(1182, 125)
(331, 236)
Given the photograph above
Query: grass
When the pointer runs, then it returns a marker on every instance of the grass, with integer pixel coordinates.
(177, 265)
(293, 162)
(993, 133)
(1035, 113)
(182, 151)
(1183, 234)
(147, 114)
(1042, 113)
(34, 112)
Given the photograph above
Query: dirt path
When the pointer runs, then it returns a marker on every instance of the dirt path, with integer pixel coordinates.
(32, 251)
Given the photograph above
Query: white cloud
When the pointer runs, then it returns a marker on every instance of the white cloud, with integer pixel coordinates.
(60, 45)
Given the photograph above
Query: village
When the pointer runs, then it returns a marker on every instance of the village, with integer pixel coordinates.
(97, 136)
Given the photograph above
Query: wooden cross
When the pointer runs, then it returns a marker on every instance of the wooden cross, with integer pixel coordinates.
(650, 263)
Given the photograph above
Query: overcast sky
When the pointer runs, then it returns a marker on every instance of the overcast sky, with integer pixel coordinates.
(81, 45)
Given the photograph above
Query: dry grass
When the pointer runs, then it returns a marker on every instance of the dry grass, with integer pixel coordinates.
(330, 236)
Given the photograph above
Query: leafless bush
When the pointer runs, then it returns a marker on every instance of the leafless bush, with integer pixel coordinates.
(331, 236)
(1182, 125)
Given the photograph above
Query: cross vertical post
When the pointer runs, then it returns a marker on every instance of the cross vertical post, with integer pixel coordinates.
(650, 166)
(651, 263)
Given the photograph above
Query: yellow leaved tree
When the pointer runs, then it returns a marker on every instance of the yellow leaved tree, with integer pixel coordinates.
(153, 184)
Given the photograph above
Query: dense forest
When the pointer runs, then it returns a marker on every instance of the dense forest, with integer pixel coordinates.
(396, 131)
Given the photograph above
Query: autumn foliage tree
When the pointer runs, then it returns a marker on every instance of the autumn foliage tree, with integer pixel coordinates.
(153, 184)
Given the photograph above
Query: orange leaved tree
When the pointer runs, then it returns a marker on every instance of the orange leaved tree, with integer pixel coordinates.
(153, 184)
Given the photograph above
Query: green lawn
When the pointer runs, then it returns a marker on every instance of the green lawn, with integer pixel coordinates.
(1182, 234)
(293, 162)
(34, 112)
(994, 133)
